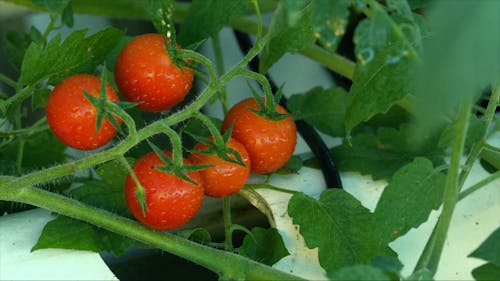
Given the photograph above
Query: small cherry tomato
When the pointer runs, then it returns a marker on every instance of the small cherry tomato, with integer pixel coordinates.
(72, 118)
(145, 73)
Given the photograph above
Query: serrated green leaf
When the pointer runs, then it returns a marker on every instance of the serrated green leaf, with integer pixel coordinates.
(286, 39)
(339, 226)
(381, 155)
(359, 272)
(206, 17)
(68, 233)
(489, 250)
(75, 53)
(387, 54)
(265, 245)
(323, 109)
(486, 272)
(414, 191)
(329, 20)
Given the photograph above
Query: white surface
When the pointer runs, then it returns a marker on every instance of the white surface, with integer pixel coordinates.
(19, 233)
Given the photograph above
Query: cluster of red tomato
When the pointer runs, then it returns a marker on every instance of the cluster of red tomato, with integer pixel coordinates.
(144, 73)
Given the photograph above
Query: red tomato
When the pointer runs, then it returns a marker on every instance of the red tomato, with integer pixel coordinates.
(224, 178)
(171, 201)
(269, 143)
(72, 117)
(144, 73)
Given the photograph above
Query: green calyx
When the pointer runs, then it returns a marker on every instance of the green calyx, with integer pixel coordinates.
(267, 106)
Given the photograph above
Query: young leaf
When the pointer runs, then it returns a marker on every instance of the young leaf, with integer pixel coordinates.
(486, 272)
(264, 245)
(359, 272)
(381, 155)
(323, 109)
(206, 17)
(414, 191)
(68, 233)
(15, 45)
(387, 59)
(489, 250)
(199, 235)
(286, 39)
(329, 20)
(339, 226)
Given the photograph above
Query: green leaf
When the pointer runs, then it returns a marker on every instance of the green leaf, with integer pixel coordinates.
(15, 45)
(265, 245)
(199, 235)
(53, 6)
(75, 54)
(476, 129)
(414, 191)
(381, 155)
(359, 272)
(286, 39)
(486, 272)
(387, 56)
(67, 15)
(322, 109)
(329, 20)
(292, 166)
(489, 250)
(68, 233)
(206, 17)
(391, 266)
(339, 226)
(294, 10)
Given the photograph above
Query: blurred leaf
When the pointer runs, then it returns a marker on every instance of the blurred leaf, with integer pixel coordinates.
(294, 10)
(322, 109)
(421, 274)
(329, 20)
(486, 272)
(265, 245)
(489, 250)
(15, 45)
(475, 132)
(67, 233)
(284, 38)
(461, 59)
(359, 272)
(199, 235)
(292, 166)
(420, 4)
(391, 266)
(53, 6)
(341, 228)
(414, 191)
(67, 15)
(197, 128)
(382, 154)
(73, 53)
(206, 17)
(387, 53)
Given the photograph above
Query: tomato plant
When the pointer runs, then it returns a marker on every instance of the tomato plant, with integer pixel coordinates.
(270, 143)
(395, 103)
(145, 73)
(72, 118)
(224, 178)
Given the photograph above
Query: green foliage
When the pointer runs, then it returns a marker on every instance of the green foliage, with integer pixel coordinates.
(489, 250)
(322, 108)
(329, 19)
(382, 154)
(414, 191)
(486, 272)
(349, 225)
(359, 272)
(263, 245)
(285, 38)
(15, 44)
(206, 17)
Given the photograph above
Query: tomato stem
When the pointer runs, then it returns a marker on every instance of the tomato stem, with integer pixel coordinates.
(226, 213)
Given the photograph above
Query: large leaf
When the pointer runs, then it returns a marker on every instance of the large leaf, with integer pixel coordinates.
(329, 20)
(206, 17)
(489, 250)
(74, 52)
(414, 191)
(285, 38)
(486, 272)
(263, 245)
(339, 226)
(323, 109)
(385, 70)
(381, 155)
(360, 272)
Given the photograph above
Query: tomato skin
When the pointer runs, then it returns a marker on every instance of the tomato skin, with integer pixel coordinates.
(72, 118)
(269, 143)
(171, 202)
(145, 73)
(224, 178)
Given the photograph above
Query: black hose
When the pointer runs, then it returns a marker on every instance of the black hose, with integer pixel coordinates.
(308, 133)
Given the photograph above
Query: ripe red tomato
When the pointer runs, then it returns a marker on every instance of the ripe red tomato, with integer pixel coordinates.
(270, 143)
(72, 117)
(224, 178)
(144, 73)
(170, 200)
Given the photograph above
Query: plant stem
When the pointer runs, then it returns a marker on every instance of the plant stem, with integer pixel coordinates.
(479, 185)
(225, 263)
(219, 64)
(8, 81)
(226, 213)
(434, 247)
